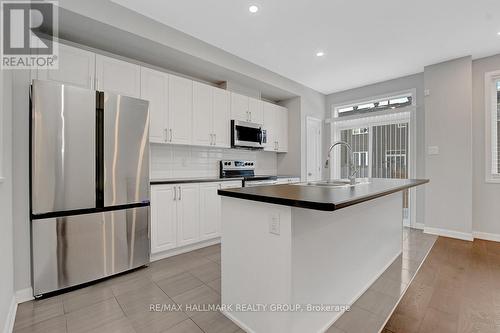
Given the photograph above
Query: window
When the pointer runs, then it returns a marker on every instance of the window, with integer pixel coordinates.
(492, 92)
(377, 105)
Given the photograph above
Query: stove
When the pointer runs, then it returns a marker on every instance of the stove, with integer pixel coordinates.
(245, 170)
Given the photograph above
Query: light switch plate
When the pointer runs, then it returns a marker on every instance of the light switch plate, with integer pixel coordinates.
(433, 150)
(274, 224)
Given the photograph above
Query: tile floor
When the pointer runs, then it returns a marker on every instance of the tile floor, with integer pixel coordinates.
(122, 304)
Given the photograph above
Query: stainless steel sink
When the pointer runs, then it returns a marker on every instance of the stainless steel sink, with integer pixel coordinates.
(336, 183)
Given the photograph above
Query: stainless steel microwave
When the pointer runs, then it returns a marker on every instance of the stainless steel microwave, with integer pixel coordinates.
(247, 135)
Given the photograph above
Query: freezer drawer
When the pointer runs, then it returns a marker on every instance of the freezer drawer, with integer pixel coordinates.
(126, 150)
(72, 250)
(63, 147)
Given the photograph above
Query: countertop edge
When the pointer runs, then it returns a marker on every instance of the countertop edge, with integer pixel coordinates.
(194, 180)
(322, 206)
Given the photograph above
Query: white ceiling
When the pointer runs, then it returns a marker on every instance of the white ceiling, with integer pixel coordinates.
(364, 41)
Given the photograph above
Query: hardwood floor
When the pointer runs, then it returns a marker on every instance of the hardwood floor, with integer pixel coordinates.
(456, 290)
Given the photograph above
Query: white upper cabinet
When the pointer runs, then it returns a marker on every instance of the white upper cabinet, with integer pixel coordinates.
(221, 124)
(256, 110)
(276, 125)
(180, 110)
(211, 115)
(154, 88)
(282, 120)
(118, 76)
(76, 67)
(239, 107)
(202, 114)
(270, 125)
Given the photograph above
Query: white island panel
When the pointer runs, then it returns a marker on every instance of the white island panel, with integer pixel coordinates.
(318, 257)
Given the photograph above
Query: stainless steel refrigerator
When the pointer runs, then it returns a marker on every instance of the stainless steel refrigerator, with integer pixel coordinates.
(89, 185)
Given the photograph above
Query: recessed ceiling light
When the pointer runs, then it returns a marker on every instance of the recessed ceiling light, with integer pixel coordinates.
(253, 9)
(320, 54)
(498, 33)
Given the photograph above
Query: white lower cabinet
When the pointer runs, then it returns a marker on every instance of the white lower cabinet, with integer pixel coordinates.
(210, 211)
(163, 218)
(183, 215)
(291, 180)
(188, 214)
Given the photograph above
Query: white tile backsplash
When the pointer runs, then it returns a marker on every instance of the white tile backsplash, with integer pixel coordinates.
(173, 161)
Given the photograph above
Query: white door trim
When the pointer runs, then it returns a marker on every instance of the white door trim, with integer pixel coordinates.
(320, 122)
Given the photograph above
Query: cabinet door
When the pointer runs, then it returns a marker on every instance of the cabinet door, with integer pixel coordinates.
(221, 117)
(239, 107)
(255, 106)
(180, 109)
(202, 114)
(282, 121)
(270, 125)
(188, 214)
(154, 88)
(118, 76)
(210, 211)
(163, 218)
(76, 67)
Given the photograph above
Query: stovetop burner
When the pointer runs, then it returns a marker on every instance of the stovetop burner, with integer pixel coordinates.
(239, 168)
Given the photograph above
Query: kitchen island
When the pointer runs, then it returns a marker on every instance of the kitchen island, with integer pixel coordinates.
(294, 257)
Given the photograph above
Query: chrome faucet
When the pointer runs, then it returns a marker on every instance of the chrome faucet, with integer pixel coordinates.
(352, 170)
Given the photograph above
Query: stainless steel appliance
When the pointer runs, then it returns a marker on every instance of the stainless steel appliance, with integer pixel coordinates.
(247, 135)
(89, 184)
(245, 170)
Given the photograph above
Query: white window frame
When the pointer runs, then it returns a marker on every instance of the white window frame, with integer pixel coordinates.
(491, 134)
(405, 114)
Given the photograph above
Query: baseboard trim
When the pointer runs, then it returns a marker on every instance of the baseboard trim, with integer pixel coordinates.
(237, 322)
(24, 295)
(419, 226)
(486, 236)
(449, 233)
(11, 316)
(183, 249)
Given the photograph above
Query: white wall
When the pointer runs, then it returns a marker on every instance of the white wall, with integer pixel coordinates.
(486, 196)
(448, 112)
(171, 161)
(415, 81)
(20, 176)
(7, 300)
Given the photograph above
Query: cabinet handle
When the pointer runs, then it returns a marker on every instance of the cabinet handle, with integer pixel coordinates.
(212, 140)
(215, 139)
(170, 135)
(166, 134)
(180, 192)
(250, 113)
(175, 192)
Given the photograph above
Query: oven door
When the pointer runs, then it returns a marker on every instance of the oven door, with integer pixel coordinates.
(246, 135)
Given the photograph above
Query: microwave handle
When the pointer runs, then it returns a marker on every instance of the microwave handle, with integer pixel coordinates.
(261, 136)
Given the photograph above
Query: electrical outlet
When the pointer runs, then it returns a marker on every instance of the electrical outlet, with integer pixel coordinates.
(274, 224)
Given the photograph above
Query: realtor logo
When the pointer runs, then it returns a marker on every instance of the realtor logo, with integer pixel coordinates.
(28, 30)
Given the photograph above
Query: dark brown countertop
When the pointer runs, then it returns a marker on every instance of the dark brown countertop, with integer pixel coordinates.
(321, 197)
(192, 180)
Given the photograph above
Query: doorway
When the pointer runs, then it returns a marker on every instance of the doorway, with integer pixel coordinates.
(314, 148)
